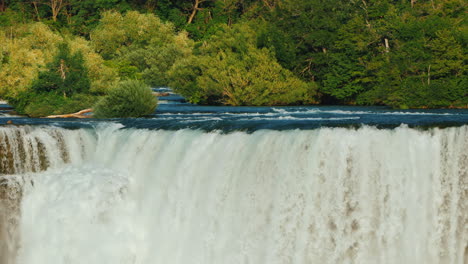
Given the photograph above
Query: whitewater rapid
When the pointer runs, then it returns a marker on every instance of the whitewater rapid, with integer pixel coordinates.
(329, 195)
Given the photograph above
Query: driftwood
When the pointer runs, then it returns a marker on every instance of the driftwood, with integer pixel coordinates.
(80, 114)
(161, 94)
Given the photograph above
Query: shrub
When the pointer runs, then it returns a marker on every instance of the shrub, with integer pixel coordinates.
(43, 104)
(130, 98)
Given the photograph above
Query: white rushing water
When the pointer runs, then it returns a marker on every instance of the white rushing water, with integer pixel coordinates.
(318, 196)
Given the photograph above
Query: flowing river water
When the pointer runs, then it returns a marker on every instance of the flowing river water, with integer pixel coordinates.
(237, 185)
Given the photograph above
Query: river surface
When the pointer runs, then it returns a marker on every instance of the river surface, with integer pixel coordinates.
(174, 116)
(251, 185)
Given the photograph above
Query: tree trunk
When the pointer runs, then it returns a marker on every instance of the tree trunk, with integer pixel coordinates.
(68, 15)
(367, 14)
(55, 9)
(56, 6)
(151, 5)
(2, 6)
(269, 3)
(429, 75)
(36, 10)
(79, 114)
(194, 10)
(387, 47)
(63, 69)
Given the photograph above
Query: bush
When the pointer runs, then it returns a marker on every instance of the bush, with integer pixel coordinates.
(130, 98)
(43, 104)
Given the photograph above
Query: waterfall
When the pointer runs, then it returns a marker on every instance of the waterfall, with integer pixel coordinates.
(330, 195)
(25, 150)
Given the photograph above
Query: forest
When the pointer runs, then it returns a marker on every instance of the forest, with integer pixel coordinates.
(61, 56)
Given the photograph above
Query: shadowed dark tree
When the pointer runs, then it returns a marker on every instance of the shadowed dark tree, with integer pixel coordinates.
(65, 75)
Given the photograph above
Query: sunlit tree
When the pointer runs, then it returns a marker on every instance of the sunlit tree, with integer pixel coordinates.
(229, 69)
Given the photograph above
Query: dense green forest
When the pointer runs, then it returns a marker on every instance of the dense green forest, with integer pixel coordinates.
(63, 55)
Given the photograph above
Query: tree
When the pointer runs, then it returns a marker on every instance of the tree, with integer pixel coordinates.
(229, 69)
(3, 6)
(141, 41)
(398, 53)
(56, 6)
(102, 77)
(82, 16)
(346, 75)
(65, 75)
(26, 48)
(310, 29)
(196, 7)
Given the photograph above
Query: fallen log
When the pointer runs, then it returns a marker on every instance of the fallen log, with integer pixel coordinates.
(158, 94)
(79, 114)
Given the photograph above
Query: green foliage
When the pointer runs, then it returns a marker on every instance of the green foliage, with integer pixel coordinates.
(124, 69)
(36, 104)
(140, 45)
(130, 98)
(102, 76)
(229, 69)
(83, 15)
(28, 48)
(281, 44)
(25, 48)
(43, 74)
(342, 46)
(397, 53)
(437, 93)
(65, 75)
(310, 30)
(10, 18)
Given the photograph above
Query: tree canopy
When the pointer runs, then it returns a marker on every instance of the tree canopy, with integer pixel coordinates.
(245, 52)
(140, 45)
(229, 69)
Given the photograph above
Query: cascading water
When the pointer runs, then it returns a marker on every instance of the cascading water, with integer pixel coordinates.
(329, 195)
(24, 150)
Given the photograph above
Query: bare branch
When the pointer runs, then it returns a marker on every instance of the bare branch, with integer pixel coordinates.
(79, 114)
(271, 4)
(196, 7)
(56, 6)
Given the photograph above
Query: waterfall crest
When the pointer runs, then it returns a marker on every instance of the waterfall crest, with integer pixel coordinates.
(330, 195)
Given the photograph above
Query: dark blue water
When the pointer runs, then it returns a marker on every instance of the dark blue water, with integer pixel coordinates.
(175, 116)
